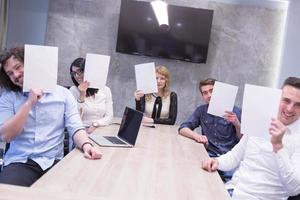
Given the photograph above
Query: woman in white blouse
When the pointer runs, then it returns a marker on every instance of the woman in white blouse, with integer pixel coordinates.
(95, 105)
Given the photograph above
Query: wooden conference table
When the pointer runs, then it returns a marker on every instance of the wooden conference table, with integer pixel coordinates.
(12, 192)
(162, 165)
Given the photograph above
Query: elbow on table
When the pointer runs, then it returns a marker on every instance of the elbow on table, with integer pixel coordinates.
(181, 131)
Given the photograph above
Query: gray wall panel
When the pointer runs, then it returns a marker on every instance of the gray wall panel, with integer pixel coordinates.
(243, 48)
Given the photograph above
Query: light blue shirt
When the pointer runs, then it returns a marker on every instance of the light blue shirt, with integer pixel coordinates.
(42, 137)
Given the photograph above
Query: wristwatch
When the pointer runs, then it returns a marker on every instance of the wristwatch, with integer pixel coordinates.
(95, 124)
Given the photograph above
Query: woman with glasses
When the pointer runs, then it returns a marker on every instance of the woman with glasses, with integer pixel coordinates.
(160, 107)
(95, 105)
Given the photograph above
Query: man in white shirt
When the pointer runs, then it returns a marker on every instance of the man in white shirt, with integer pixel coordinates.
(267, 170)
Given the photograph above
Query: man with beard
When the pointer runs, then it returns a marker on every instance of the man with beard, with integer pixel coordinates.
(33, 123)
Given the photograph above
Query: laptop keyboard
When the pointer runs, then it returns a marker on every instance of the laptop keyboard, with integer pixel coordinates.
(114, 140)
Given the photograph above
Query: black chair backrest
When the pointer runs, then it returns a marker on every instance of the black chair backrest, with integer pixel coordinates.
(295, 197)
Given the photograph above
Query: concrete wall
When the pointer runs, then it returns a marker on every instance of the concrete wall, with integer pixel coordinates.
(244, 47)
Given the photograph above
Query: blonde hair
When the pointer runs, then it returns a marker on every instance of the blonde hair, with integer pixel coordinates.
(162, 70)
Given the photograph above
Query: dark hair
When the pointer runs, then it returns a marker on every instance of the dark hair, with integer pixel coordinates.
(80, 62)
(292, 81)
(208, 81)
(17, 53)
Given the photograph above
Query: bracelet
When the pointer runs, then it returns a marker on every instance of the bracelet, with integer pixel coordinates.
(85, 144)
(79, 101)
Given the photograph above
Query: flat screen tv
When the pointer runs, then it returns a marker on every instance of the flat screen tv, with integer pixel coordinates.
(187, 38)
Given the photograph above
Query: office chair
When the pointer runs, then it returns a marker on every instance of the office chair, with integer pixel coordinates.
(1, 158)
(66, 143)
(294, 197)
(3, 149)
(66, 146)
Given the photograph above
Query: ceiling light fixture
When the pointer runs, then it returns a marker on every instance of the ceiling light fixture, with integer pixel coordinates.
(160, 9)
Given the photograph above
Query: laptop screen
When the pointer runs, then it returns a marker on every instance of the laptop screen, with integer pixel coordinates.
(130, 125)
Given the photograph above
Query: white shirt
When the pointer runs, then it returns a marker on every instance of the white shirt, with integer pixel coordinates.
(261, 173)
(97, 108)
(165, 109)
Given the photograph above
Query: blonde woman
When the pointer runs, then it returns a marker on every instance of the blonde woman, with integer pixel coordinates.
(160, 107)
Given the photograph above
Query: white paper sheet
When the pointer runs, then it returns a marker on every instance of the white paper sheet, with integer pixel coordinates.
(96, 70)
(222, 98)
(40, 68)
(146, 78)
(260, 105)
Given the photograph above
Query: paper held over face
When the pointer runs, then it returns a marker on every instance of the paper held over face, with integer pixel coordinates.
(260, 105)
(96, 70)
(40, 68)
(222, 99)
(146, 78)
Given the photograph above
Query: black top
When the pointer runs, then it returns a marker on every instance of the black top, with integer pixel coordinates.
(140, 105)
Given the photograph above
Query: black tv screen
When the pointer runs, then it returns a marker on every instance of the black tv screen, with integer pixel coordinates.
(187, 38)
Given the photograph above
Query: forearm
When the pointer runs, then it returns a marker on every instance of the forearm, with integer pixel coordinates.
(232, 159)
(140, 104)
(238, 131)
(80, 138)
(277, 147)
(81, 98)
(227, 162)
(187, 132)
(85, 145)
(15, 125)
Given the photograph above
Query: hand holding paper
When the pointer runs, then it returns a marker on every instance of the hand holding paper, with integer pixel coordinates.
(40, 68)
(232, 118)
(138, 95)
(82, 87)
(260, 105)
(34, 96)
(277, 131)
(222, 99)
(146, 78)
(96, 70)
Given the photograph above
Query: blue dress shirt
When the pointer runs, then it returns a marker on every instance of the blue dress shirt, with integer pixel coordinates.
(42, 137)
(220, 133)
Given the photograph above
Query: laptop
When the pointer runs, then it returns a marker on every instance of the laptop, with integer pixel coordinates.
(128, 131)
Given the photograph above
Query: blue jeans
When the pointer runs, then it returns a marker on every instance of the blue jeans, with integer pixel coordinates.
(23, 174)
(230, 192)
(225, 176)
